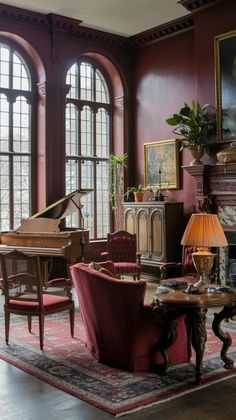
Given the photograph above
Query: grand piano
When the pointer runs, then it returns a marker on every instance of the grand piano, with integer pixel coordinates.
(46, 235)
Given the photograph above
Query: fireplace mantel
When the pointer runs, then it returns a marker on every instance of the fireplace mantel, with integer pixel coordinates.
(216, 185)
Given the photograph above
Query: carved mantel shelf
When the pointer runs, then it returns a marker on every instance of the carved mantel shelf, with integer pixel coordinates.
(216, 185)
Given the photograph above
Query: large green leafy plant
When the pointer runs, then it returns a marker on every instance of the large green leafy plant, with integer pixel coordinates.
(192, 123)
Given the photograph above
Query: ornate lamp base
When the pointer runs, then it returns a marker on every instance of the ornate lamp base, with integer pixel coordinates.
(203, 262)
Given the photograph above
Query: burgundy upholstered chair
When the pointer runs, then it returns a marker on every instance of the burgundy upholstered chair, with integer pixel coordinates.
(180, 270)
(23, 292)
(120, 329)
(122, 250)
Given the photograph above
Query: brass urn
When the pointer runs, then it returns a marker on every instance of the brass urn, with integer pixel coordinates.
(227, 155)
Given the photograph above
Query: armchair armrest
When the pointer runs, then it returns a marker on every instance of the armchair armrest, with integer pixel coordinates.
(67, 283)
(171, 269)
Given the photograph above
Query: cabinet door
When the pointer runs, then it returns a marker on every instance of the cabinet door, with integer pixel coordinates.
(143, 232)
(157, 227)
(130, 220)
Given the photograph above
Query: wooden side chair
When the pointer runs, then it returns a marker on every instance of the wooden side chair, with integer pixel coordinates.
(23, 292)
(122, 251)
(184, 269)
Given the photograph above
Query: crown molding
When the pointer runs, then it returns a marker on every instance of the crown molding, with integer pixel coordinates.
(72, 27)
(192, 5)
(163, 31)
(60, 24)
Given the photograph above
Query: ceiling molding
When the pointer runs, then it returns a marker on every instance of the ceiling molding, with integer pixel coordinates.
(72, 27)
(160, 32)
(192, 5)
(59, 23)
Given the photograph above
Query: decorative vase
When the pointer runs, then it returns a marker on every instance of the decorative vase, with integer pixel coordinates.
(197, 153)
(227, 155)
(138, 196)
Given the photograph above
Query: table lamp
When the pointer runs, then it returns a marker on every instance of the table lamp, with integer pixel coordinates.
(204, 231)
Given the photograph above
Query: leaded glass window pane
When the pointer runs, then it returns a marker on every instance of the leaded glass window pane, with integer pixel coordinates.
(21, 79)
(87, 135)
(4, 123)
(86, 82)
(102, 189)
(71, 130)
(4, 66)
(72, 79)
(21, 188)
(4, 193)
(102, 94)
(21, 125)
(103, 133)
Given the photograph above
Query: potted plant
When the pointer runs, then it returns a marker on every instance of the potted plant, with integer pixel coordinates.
(117, 166)
(192, 123)
(137, 192)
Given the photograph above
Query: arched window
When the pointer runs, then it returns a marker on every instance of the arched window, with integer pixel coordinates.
(15, 138)
(88, 138)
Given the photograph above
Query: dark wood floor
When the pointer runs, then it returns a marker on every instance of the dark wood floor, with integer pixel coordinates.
(23, 397)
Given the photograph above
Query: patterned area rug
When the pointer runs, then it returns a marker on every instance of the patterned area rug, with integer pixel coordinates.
(66, 364)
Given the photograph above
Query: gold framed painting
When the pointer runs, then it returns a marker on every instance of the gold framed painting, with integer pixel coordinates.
(225, 64)
(162, 164)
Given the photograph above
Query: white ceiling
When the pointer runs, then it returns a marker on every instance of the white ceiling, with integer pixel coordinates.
(123, 17)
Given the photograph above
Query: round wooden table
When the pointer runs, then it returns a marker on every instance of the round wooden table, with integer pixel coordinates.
(169, 302)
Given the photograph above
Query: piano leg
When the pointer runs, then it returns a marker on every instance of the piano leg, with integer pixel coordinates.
(46, 269)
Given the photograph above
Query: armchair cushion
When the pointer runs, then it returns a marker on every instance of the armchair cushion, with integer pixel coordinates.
(127, 268)
(104, 268)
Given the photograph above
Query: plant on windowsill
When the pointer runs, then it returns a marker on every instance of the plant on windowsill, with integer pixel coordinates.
(193, 123)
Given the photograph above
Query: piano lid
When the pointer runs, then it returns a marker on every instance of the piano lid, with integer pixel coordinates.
(63, 207)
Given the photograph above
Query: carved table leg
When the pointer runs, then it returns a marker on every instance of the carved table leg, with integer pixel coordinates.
(196, 323)
(227, 312)
(166, 318)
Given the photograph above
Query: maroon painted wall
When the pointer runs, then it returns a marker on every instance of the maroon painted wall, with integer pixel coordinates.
(171, 72)
(164, 79)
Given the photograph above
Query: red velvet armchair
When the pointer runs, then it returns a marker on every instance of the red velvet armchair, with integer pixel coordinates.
(120, 329)
(122, 251)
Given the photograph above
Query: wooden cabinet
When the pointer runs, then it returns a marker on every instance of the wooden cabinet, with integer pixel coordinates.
(159, 229)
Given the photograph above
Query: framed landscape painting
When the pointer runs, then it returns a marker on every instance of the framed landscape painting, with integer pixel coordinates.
(162, 164)
(225, 60)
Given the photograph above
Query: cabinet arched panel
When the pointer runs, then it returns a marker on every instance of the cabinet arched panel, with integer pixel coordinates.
(130, 220)
(158, 235)
(142, 232)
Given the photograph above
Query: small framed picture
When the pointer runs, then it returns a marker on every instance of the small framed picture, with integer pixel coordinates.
(162, 164)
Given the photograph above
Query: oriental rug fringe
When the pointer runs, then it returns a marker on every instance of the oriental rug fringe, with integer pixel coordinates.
(66, 364)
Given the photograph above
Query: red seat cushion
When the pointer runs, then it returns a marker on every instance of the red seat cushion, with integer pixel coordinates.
(50, 303)
(126, 268)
